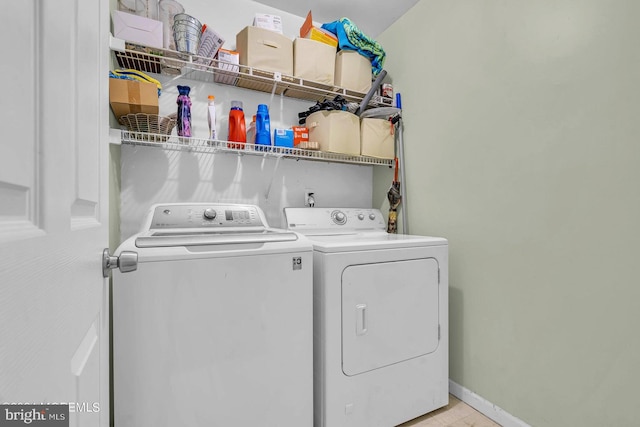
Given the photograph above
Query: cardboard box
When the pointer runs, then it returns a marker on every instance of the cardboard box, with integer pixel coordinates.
(210, 44)
(314, 61)
(335, 131)
(283, 137)
(268, 22)
(323, 36)
(377, 138)
(300, 134)
(228, 67)
(309, 31)
(353, 71)
(132, 96)
(265, 50)
(137, 29)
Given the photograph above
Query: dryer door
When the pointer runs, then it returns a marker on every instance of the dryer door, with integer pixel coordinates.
(389, 313)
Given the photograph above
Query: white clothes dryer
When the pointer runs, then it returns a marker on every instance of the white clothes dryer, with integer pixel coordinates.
(380, 319)
(214, 327)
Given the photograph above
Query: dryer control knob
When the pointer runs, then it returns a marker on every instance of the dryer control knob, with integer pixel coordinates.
(339, 217)
(372, 216)
(209, 213)
(360, 217)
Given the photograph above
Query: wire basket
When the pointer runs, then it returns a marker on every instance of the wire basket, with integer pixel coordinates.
(158, 127)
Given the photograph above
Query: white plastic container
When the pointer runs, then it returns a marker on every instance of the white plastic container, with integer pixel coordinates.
(251, 131)
(212, 118)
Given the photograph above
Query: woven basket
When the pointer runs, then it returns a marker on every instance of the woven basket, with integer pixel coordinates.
(157, 127)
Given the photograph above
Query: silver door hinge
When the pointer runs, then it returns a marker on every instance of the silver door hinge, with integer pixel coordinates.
(126, 262)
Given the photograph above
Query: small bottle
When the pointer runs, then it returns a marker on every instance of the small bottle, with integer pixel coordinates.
(184, 111)
(251, 131)
(213, 135)
(263, 127)
(237, 125)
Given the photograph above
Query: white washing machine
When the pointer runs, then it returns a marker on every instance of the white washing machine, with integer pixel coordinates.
(214, 327)
(380, 319)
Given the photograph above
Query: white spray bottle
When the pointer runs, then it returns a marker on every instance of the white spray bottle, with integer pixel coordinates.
(212, 118)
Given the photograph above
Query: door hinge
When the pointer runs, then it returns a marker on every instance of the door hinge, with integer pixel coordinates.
(126, 262)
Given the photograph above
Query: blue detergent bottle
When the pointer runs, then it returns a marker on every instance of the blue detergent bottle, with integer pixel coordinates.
(263, 127)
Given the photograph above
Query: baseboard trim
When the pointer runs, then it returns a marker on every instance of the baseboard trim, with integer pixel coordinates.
(487, 408)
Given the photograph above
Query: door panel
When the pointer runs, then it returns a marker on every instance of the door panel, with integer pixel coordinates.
(389, 313)
(19, 148)
(86, 116)
(53, 206)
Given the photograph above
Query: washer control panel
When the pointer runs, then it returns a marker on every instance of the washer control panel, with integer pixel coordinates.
(203, 215)
(343, 219)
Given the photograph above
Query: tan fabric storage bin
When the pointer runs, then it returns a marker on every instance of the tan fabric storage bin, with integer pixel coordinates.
(335, 131)
(377, 139)
(353, 71)
(314, 60)
(265, 49)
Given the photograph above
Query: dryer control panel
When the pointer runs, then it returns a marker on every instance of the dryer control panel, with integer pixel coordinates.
(201, 215)
(343, 219)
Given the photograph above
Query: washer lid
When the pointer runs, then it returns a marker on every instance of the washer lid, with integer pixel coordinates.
(207, 224)
(208, 237)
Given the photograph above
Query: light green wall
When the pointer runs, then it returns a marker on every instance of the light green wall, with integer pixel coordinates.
(522, 125)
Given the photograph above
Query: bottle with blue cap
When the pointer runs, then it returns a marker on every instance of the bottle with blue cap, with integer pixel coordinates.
(263, 127)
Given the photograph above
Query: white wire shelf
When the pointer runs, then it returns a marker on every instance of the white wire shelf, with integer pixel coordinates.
(163, 61)
(198, 145)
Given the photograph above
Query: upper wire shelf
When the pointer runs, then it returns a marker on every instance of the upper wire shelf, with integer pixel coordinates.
(168, 62)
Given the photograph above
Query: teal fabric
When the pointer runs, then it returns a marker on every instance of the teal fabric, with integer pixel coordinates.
(351, 38)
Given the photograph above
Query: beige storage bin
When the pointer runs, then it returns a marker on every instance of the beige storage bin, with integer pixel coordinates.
(353, 71)
(314, 60)
(335, 131)
(265, 49)
(377, 139)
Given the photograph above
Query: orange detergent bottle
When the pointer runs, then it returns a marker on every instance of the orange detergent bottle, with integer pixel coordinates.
(237, 126)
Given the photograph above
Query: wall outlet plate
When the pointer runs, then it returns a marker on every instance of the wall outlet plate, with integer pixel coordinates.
(309, 197)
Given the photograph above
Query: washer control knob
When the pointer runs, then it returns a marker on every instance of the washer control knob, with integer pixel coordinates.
(209, 213)
(339, 217)
(360, 216)
(372, 216)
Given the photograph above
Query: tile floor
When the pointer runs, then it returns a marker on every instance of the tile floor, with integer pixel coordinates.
(455, 414)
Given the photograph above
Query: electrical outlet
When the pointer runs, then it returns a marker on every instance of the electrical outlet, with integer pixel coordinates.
(309, 197)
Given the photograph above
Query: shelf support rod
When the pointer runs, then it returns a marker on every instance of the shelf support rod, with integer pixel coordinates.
(273, 175)
(277, 77)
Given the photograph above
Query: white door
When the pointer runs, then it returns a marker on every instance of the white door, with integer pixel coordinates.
(53, 206)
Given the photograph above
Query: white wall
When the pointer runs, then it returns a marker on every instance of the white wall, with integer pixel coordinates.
(521, 131)
(150, 175)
